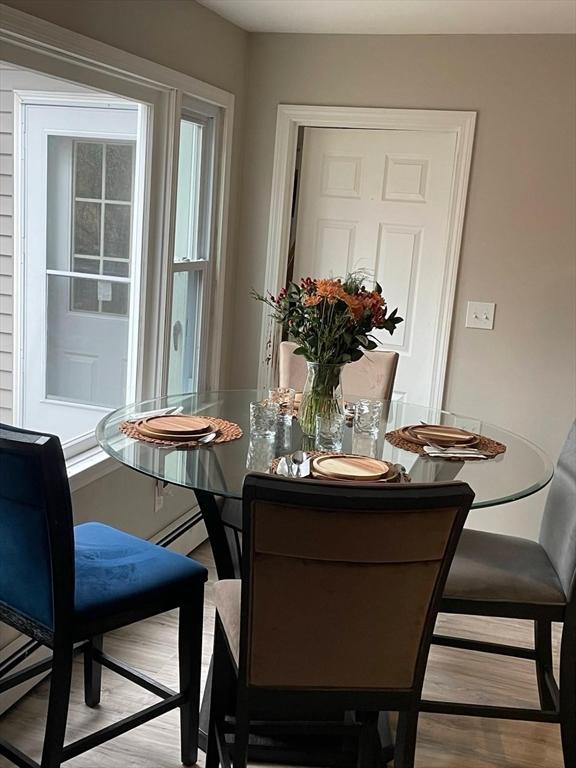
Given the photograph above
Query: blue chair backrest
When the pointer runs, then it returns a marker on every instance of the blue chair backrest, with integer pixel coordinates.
(36, 537)
(558, 531)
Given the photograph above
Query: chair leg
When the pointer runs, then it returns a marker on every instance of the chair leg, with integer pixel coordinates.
(222, 700)
(242, 736)
(57, 706)
(568, 694)
(406, 732)
(92, 672)
(543, 646)
(190, 659)
(214, 724)
(369, 741)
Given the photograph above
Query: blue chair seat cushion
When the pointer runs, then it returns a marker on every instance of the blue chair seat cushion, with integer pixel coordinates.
(118, 573)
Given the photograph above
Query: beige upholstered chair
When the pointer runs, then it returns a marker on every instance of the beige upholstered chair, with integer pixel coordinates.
(371, 377)
(336, 607)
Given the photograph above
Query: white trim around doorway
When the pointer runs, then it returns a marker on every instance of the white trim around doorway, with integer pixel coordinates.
(289, 119)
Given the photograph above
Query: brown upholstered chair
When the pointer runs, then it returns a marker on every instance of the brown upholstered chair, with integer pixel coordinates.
(372, 376)
(496, 575)
(336, 607)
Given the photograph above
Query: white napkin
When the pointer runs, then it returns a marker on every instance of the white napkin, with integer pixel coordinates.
(458, 453)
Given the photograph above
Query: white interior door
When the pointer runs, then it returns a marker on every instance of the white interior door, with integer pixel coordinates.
(378, 201)
(78, 196)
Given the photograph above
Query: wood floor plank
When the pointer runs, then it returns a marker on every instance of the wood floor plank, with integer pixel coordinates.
(443, 742)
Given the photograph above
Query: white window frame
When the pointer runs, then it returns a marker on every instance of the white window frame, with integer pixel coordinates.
(209, 116)
(38, 45)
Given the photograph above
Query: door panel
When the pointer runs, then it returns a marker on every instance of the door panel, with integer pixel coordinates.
(378, 201)
(78, 203)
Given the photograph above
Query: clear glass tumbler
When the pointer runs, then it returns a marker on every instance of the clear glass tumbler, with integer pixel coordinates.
(364, 444)
(261, 453)
(330, 432)
(264, 418)
(367, 417)
(284, 396)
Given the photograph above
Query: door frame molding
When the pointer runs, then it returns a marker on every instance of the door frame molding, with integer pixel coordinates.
(290, 117)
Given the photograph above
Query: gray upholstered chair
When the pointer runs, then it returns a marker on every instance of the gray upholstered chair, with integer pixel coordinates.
(496, 575)
(336, 607)
(372, 376)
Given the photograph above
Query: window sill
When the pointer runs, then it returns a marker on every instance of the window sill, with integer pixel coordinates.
(88, 466)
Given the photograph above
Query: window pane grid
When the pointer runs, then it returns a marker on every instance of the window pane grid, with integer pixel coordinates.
(89, 276)
(102, 223)
(101, 200)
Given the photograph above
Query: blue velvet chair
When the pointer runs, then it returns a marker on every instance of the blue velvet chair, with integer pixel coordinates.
(66, 586)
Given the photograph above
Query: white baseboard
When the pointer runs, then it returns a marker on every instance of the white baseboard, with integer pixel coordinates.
(188, 541)
(185, 544)
(10, 697)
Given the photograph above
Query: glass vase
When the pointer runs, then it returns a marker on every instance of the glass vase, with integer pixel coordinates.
(322, 395)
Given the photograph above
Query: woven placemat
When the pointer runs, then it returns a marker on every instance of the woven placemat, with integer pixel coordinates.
(402, 476)
(227, 431)
(491, 447)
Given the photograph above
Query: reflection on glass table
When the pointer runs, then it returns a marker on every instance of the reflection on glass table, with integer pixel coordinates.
(220, 469)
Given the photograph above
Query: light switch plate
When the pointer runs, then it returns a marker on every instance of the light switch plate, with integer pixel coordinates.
(480, 314)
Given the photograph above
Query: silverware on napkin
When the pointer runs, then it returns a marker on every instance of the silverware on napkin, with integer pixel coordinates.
(207, 438)
(161, 412)
(452, 453)
(186, 445)
(295, 465)
(450, 448)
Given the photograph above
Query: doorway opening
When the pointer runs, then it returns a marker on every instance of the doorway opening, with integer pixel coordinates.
(378, 191)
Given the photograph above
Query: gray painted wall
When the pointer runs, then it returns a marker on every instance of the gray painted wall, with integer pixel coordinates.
(519, 238)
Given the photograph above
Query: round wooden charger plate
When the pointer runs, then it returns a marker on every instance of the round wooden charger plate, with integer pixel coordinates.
(349, 467)
(485, 444)
(394, 474)
(410, 434)
(442, 431)
(144, 429)
(226, 432)
(176, 425)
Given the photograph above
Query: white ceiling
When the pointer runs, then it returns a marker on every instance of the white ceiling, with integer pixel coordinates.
(399, 17)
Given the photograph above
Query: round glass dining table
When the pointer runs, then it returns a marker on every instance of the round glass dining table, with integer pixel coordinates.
(216, 471)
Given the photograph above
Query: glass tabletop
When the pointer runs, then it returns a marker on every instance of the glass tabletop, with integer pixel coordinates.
(520, 471)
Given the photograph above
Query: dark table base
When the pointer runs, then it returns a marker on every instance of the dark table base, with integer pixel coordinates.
(304, 746)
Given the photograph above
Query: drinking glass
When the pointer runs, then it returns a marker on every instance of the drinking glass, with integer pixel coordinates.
(264, 418)
(284, 396)
(261, 452)
(367, 417)
(364, 444)
(330, 432)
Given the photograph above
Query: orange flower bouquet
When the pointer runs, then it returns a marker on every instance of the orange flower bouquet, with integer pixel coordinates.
(331, 320)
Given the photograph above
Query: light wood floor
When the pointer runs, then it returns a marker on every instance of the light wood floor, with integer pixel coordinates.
(443, 742)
